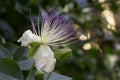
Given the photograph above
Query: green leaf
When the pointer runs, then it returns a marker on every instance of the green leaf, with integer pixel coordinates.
(6, 77)
(4, 53)
(107, 49)
(11, 47)
(6, 30)
(10, 68)
(21, 53)
(63, 54)
(56, 76)
(25, 64)
(34, 47)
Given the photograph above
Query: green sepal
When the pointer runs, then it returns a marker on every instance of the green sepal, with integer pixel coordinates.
(63, 55)
(33, 49)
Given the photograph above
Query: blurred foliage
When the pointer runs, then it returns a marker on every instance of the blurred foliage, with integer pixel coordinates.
(95, 58)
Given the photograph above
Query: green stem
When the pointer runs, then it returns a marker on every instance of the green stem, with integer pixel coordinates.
(29, 74)
(49, 76)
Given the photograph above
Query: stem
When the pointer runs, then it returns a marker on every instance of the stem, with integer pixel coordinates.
(49, 76)
(29, 74)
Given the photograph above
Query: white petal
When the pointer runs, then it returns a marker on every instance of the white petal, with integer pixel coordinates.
(44, 59)
(28, 37)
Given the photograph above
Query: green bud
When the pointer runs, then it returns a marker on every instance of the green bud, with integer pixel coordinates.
(63, 54)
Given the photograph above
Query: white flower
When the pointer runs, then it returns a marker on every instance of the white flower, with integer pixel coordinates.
(55, 30)
(28, 37)
(44, 59)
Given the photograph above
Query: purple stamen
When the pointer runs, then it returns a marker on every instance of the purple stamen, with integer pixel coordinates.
(57, 29)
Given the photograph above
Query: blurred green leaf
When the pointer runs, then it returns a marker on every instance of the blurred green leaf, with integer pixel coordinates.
(38, 75)
(33, 2)
(4, 53)
(107, 50)
(21, 53)
(11, 47)
(25, 64)
(116, 34)
(63, 54)
(56, 76)
(6, 77)
(62, 3)
(114, 7)
(94, 52)
(6, 29)
(10, 68)
(23, 2)
(34, 47)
